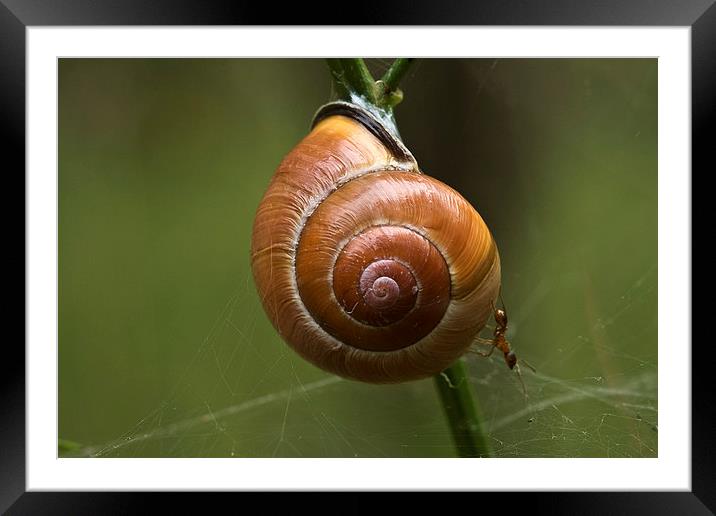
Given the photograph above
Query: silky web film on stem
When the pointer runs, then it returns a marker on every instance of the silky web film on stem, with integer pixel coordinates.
(590, 332)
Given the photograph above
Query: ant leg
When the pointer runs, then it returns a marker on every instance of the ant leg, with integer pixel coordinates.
(486, 355)
(522, 382)
(530, 366)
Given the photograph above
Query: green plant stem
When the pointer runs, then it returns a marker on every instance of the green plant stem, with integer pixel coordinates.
(396, 72)
(352, 77)
(462, 412)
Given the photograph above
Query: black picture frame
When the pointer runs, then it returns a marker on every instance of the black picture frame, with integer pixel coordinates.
(17, 15)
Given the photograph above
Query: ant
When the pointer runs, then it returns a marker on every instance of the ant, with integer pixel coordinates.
(500, 342)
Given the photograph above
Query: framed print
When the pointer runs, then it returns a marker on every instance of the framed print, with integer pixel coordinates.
(258, 262)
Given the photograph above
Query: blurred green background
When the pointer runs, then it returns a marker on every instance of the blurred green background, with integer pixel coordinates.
(165, 351)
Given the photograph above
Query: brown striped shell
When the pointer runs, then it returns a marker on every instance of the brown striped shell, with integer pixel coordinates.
(367, 267)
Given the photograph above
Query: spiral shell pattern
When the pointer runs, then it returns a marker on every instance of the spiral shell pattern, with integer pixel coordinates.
(368, 268)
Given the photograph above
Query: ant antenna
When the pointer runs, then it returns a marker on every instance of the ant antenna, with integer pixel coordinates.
(504, 309)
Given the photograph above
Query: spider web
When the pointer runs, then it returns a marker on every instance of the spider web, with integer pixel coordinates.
(590, 415)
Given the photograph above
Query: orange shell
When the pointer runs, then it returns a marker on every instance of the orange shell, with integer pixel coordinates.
(368, 268)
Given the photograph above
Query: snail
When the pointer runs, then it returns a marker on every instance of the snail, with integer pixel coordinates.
(367, 267)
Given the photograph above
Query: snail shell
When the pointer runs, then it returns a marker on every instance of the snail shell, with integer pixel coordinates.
(367, 267)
